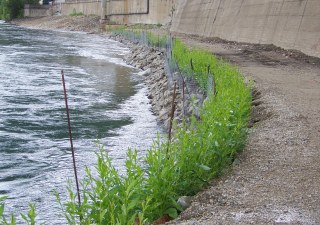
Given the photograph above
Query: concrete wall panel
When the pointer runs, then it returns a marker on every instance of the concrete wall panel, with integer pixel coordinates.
(87, 8)
(37, 10)
(125, 11)
(286, 23)
(135, 11)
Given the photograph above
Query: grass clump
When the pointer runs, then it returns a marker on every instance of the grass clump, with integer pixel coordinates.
(194, 63)
(29, 218)
(109, 198)
(156, 40)
(133, 33)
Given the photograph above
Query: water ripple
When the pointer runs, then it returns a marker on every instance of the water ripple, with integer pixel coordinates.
(106, 101)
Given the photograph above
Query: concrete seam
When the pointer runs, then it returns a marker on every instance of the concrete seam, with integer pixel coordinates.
(240, 7)
(304, 10)
(265, 23)
(206, 26)
(238, 33)
(276, 26)
(215, 16)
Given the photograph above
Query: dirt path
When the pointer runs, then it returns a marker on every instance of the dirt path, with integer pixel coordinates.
(276, 180)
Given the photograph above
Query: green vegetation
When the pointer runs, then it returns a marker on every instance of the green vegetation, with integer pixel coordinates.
(199, 151)
(10, 9)
(156, 40)
(194, 63)
(75, 13)
(30, 218)
(136, 34)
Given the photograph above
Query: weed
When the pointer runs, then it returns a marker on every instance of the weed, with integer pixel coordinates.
(109, 198)
(30, 218)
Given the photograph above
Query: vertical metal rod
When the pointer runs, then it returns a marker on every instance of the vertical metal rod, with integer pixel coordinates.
(214, 86)
(183, 98)
(70, 137)
(173, 107)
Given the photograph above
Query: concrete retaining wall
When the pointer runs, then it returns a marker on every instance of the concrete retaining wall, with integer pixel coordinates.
(37, 10)
(140, 11)
(290, 24)
(87, 8)
(124, 11)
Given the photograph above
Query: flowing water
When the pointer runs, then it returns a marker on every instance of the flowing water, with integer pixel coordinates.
(107, 101)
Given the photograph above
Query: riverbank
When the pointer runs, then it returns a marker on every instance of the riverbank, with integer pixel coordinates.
(276, 178)
(88, 24)
(149, 60)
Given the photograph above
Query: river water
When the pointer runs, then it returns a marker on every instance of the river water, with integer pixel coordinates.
(107, 101)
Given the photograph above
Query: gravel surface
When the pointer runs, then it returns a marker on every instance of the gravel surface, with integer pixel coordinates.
(276, 179)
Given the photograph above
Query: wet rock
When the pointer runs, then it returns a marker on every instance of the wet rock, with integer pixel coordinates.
(152, 61)
(145, 73)
(184, 202)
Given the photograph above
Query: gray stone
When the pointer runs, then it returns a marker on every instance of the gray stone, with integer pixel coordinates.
(184, 202)
(145, 73)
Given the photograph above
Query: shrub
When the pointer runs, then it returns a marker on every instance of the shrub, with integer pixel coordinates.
(10, 9)
(30, 218)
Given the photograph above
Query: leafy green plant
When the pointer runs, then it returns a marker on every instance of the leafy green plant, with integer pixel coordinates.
(30, 218)
(10, 9)
(108, 197)
(161, 181)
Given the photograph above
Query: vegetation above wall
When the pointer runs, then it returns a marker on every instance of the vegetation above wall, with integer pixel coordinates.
(10, 9)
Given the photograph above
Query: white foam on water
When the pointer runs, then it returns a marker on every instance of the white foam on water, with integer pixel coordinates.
(95, 54)
(2, 58)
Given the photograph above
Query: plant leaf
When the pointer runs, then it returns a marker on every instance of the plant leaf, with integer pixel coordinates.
(204, 167)
(172, 212)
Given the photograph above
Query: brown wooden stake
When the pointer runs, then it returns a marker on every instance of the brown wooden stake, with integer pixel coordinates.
(70, 137)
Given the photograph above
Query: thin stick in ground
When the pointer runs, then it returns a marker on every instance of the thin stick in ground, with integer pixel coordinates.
(70, 137)
(173, 107)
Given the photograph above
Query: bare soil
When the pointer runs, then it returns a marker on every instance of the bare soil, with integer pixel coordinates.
(276, 179)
